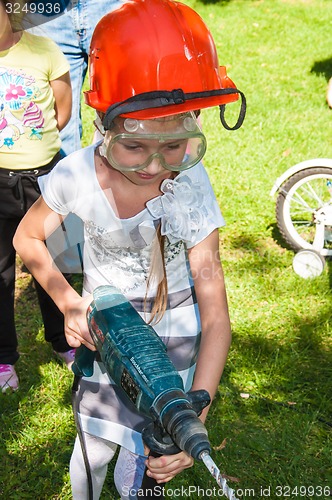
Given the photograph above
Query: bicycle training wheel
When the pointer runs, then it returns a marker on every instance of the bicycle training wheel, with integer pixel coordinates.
(304, 210)
(308, 263)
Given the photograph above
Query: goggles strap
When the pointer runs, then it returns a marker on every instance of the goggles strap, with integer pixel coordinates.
(161, 98)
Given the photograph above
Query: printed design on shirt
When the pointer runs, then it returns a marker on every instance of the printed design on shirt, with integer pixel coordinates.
(19, 114)
(172, 250)
(119, 259)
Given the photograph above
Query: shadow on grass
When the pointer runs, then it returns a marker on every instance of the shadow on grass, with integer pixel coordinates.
(323, 67)
(275, 233)
(37, 472)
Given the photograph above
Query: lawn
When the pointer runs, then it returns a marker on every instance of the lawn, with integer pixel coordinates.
(270, 424)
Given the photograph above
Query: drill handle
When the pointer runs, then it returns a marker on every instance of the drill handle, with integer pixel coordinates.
(199, 400)
(83, 364)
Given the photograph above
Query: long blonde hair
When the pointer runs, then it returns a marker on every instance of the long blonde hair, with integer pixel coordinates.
(158, 272)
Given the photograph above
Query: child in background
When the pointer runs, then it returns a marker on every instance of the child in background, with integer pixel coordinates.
(150, 218)
(35, 103)
(329, 93)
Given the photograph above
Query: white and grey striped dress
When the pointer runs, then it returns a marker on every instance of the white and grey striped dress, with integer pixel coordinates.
(118, 252)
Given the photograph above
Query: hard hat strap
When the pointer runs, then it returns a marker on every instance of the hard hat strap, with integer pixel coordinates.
(162, 98)
(241, 116)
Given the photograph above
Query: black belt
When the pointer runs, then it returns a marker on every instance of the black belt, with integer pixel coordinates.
(16, 177)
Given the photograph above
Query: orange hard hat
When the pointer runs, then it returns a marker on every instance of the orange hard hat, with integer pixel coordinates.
(153, 58)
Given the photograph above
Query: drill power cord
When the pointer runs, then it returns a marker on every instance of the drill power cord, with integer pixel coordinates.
(80, 434)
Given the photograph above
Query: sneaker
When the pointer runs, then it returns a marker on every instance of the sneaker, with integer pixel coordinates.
(67, 357)
(8, 378)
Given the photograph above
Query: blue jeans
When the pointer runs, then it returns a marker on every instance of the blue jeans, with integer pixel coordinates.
(72, 31)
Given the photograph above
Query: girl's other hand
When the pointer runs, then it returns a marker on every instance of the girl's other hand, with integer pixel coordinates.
(166, 467)
(76, 326)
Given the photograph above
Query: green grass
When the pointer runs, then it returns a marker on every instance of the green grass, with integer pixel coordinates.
(279, 53)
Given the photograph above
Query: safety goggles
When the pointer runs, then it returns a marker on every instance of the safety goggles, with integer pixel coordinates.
(176, 142)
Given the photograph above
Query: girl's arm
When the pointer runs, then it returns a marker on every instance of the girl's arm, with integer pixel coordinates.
(212, 302)
(216, 338)
(29, 241)
(61, 88)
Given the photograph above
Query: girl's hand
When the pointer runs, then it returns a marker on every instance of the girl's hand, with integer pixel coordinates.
(76, 326)
(164, 468)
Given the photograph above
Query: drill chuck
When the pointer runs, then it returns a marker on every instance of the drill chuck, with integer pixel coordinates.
(174, 411)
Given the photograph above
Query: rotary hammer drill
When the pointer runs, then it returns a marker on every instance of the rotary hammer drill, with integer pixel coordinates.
(135, 358)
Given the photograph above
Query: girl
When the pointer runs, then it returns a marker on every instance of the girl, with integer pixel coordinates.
(151, 222)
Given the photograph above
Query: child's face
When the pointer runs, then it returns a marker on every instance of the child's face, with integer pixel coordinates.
(154, 146)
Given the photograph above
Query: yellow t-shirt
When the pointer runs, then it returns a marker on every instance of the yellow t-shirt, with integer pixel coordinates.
(29, 137)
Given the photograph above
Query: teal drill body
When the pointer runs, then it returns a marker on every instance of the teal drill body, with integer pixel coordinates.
(136, 359)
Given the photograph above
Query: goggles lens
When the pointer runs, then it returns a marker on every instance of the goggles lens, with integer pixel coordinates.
(177, 143)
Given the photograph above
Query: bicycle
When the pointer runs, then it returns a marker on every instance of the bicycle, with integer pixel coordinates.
(304, 213)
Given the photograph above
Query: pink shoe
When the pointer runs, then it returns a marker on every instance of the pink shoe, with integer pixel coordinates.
(8, 378)
(67, 357)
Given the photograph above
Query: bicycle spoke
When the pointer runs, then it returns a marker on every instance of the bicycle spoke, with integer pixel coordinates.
(308, 189)
(300, 201)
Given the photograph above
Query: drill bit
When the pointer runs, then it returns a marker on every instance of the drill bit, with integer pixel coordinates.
(215, 472)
